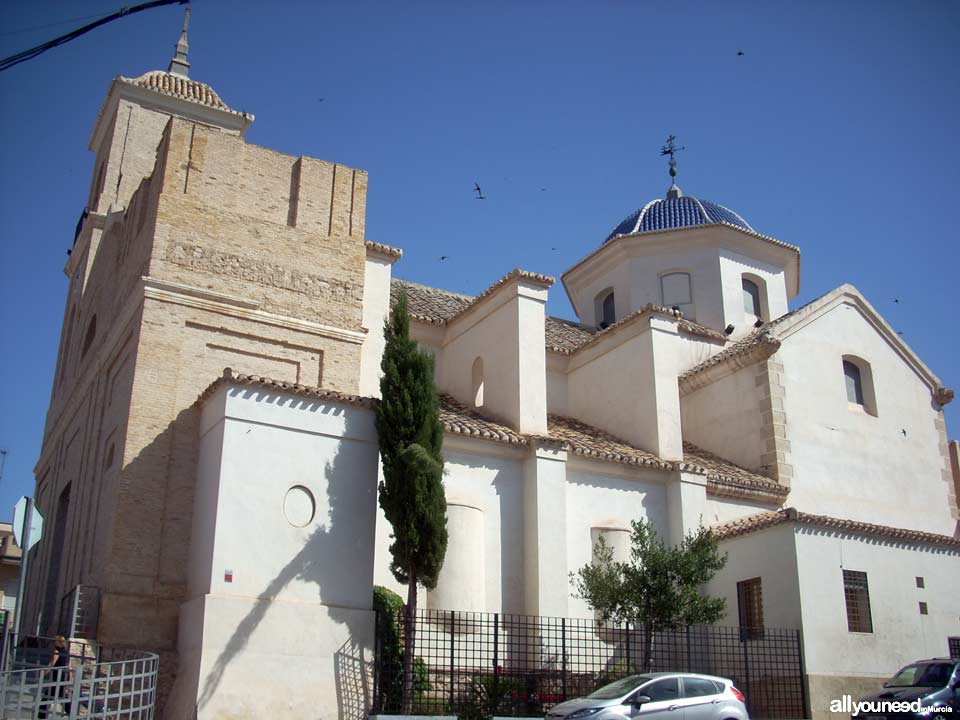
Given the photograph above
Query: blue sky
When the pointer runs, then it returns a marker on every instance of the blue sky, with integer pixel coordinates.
(835, 131)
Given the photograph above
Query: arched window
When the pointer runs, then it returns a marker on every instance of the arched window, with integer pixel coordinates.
(751, 298)
(605, 308)
(851, 374)
(90, 336)
(676, 292)
(476, 382)
(858, 381)
(65, 347)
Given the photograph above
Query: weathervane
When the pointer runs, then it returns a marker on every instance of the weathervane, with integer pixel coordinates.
(670, 148)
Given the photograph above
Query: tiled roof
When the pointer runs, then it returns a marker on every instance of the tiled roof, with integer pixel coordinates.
(565, 336)
(427, 304)
(231, 377)
(588, 441)
(460, 420)
(726, 478)
(723, 478)
(180, 87)
(438, 307)
(753, 523)
(383, 249)
(677, 212)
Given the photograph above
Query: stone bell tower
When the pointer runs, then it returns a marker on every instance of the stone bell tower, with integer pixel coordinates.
(195, 251)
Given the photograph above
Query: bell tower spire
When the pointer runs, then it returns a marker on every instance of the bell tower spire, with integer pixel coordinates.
(179, 65)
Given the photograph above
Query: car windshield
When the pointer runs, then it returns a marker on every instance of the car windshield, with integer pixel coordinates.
(922, 675)
(619, 688)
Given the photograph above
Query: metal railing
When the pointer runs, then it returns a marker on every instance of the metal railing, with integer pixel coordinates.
(80, 612)
(487, 664)
(101, 684)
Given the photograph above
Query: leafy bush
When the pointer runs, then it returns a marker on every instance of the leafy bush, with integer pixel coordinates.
(387, 604)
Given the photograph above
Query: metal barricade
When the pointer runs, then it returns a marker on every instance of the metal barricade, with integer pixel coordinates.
(115, 684)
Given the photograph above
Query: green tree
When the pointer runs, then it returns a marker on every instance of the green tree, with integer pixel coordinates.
(659, 588)
(411, 494)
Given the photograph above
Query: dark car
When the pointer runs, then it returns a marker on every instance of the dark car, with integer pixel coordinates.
(935, 683)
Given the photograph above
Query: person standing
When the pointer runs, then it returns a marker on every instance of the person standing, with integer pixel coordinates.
(59, 670)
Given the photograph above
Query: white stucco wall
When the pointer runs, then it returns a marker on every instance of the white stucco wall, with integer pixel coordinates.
(770, 555)
(506, 331)
(376, 307)
(725, 418)
(481, 475)
(274, 592)
(770, 279)
(900, 633)
(626, 384)
(714, 256)
(723, 509)
(601, 495)
(847, 463)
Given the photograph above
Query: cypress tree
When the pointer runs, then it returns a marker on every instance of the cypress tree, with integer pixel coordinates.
(411, 493)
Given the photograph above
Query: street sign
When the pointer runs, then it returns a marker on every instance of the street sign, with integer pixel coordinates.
(36, 523)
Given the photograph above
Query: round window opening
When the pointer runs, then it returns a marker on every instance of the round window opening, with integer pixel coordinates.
(299, 506)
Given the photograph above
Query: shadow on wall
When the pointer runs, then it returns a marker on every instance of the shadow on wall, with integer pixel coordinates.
(320, 561)
(353, 672)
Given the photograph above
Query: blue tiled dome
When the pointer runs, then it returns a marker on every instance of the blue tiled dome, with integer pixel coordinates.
(676, 211)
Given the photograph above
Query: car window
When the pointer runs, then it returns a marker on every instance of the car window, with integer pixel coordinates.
(699, 687)
(922, 675)
(619, 688)
(668, 689)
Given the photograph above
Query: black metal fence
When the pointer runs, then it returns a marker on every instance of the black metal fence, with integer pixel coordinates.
(477, 665)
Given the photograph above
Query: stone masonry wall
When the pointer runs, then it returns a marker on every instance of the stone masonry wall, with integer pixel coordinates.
(224, 254)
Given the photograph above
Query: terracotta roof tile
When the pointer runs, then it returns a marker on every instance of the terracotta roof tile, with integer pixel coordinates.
(231, 377)
(726, 478)
(576, 437)
(753, 523)
(588, 441)
(438, 307)
(383, 249)
(180, 87)
(460, 420)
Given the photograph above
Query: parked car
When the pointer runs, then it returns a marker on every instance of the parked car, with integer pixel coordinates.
(934, 682)
(658, 696)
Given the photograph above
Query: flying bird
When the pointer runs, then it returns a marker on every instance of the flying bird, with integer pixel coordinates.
(896, 300)
(903, 430)
(740, 53)
(443, 257)
(480, 195)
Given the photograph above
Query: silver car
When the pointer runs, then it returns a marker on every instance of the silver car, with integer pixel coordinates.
(658, 696)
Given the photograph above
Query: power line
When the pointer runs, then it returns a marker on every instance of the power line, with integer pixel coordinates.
(53, 24)
(20, 57)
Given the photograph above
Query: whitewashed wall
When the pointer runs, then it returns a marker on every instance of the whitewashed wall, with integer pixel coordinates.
(479, 475)
(376, 306)
(900, 633)
(725, 418)
(770, 555)
(847, 463)
(279, 587)
(599, 495)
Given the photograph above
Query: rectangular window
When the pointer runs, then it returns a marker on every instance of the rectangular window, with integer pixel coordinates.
(953, 644)
(919, 582)
(857, 595)
(750, 603)
(923, 608)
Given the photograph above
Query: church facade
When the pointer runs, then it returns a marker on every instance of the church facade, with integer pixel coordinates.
(209, 467)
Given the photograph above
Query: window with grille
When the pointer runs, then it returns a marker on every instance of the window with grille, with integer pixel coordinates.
(750, 604)
(923, 609)
(857, 596)
(954, 645)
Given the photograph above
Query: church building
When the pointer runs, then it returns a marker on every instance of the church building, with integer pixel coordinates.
(209, 465)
